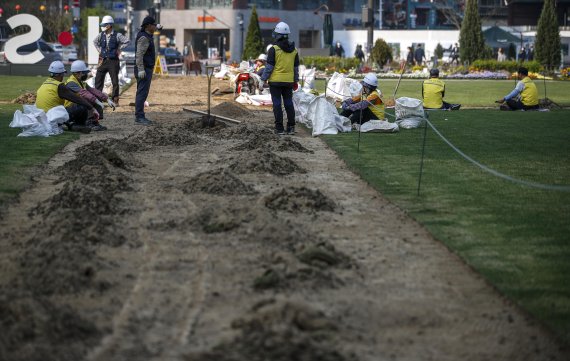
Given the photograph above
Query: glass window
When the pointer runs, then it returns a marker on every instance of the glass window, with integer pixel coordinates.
(208, 4)
(168, 4)
(265, 4)
(28, 48)
(46, 48)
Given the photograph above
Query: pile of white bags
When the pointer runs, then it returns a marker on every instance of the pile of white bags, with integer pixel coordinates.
(36, 123)
(340, 87)
(318, 113)
(409, 113)
(379, 126)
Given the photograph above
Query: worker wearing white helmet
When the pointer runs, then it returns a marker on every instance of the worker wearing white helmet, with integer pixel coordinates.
(53, 93)
(260, 64)
(282, 73)
(370, 106)
(109, 44)
(76, 83)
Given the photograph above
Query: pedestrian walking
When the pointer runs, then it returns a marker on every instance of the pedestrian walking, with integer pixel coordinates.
(419, 55)
(145, 55)
(282, 73)
(109, 44)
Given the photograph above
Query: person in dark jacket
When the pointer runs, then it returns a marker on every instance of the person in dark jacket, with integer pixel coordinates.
(359, 54)
(144, 63)
(419, 55)
(410, 56)
(282, 72)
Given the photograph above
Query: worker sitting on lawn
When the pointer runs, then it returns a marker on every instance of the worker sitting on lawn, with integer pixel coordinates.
(53, 93)
(76, 83)
(524, 96)
(433, 91)
(260, 64)
(358, 110)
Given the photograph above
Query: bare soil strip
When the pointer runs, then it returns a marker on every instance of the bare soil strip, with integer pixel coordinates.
(175, 242)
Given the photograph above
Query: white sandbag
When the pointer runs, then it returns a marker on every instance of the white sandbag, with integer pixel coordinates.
(409, 113)
(322, 115)
(339, 85)
(33, 122)
(56, 117)
(223, 71)
(307, 77)
(262, 99)
(379, 126)
(22, 120)
(342, 123)
(302, 101)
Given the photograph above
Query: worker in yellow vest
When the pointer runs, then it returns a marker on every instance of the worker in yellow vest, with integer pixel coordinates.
(371, 106)
(76, 83)
(433, 91)
(282, 72)
(524, 96)
(260, 64)
(53, 93)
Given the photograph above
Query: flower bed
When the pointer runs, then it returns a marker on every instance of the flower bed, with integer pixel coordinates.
(479, 75)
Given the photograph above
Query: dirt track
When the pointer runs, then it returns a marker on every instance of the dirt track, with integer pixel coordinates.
(179, 243)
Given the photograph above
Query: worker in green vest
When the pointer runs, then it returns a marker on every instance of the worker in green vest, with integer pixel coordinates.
(524, 96)
(433, 91)
(53, 93)
(282, 72)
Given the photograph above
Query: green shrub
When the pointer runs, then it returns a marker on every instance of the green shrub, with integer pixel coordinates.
(381, 52)
(510, 66)
(438, 51)
(330, 63)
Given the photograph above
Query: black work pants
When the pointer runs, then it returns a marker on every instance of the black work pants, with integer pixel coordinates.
(143, 87)
(516, 104)
(77, 114)
(112, 67)
(354, 116)
(285, 92)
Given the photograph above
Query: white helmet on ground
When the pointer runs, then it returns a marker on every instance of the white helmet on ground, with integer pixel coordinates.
(282, 28)
(371, 79)
(107, 20)
(57, 67)
(262, 57)
(79, 66)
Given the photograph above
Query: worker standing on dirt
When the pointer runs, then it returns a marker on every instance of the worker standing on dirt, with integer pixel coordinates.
(282, 72)
(144, 62)
(76, 83)
(260, 64)
(109, 44)
(370, 106)
(433, 91)
(524, 96)
(53, 93)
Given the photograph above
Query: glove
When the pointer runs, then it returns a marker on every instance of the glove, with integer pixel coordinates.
(95, 114)
(111, 104)
(99, 103)
(295, 86)
(141, 74)
(344, 105)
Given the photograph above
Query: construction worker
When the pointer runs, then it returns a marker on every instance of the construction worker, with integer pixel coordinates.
(109, 44)
(433, 91)
(53, 93)
(359, 110)
(282, 72)
(76, 83)
(260, 64)
(144, 62)
(524, 96)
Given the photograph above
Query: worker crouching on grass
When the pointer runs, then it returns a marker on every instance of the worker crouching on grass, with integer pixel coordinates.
(360, 110)
(282, 72)
(144, 62)
(76, 83)
(433, 91)
(53, 93)
(524, 96)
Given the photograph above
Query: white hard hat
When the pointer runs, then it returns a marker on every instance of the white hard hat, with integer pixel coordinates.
(56, 67)
(107, 19)
(268, 47)
(282, 28)
(371, 79)
(78, 66)
(262, 57)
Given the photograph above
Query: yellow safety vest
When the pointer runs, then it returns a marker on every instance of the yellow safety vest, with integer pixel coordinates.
(73, 79)
(47, 97)
(284, 66)
(433, 93)
(377, 105)
(529, 95)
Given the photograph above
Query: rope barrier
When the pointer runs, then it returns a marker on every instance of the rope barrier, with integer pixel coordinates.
(550, 187)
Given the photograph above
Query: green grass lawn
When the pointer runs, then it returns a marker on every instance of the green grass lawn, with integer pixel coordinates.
(471, 93)
(517, 237)
(13, 86)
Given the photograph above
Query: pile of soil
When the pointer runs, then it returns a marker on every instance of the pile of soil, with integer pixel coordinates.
(280, 330)
(216, 218)
(26, 98)
(247, 131)
(299, 200)
(264, 161)
(218, 182)
(102, 154)
(161, 135)
(201, 125)
(322, 255)
(232, 110)
(290, 145)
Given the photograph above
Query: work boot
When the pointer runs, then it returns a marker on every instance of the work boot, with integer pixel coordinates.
(79, 128)
(291, 130)
(455, 106)
(143, 121)
(116, 101)
(280, 132)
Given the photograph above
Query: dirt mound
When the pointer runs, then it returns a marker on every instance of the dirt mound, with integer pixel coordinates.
(264, 161)
(322, 255)
(219, 182)
(34, 329)
(81, 198)
(202, 126)
(290, 145)
(232, 110)
(246, 130)
(280, 331)
(26, 98)
(102, 153)
(223, 218)
(299, 199)
(288, 277)
(160, 136)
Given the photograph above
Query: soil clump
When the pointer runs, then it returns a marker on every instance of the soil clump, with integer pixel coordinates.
(264, 161)
(218, 182)
(299, 200)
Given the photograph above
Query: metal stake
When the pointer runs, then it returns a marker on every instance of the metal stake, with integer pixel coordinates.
(359, 126)
(209, 73)
(423, 152)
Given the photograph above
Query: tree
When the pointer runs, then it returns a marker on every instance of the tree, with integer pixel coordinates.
(547, 44)
(471, 41)
(253, 41)
(381, 52)
(438, 51)
(452, 11)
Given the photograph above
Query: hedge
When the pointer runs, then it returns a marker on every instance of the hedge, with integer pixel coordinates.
(510, 66)
(330, 63)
